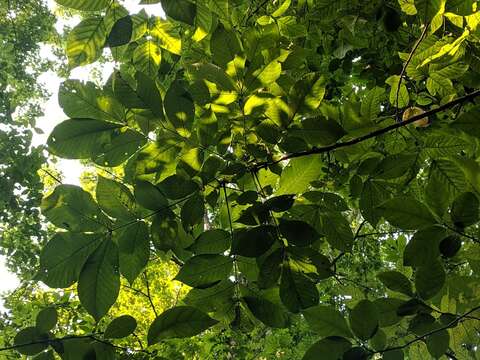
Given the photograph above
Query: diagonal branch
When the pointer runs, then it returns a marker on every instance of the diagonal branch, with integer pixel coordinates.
(430, 333)
(373, 134)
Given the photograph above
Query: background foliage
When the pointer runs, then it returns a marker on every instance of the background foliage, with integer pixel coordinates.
(284, 179)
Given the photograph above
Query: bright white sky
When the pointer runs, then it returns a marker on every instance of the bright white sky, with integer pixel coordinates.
(71, 169)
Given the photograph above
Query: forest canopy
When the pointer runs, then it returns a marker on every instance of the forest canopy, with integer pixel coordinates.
(268, 179)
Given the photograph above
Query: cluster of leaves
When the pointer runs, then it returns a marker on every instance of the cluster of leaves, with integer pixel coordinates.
(24, 25)
(258, 148)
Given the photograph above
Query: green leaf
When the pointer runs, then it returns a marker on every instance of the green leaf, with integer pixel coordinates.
(217, 298)
(45, 356)
(270, 270)
(134, 249)
(99, 280)
(179, 108)
(205, 270)
(193, 211)
(393, 355)
(253, 241)
(123, 144)
(336, 229)
(319, 131)
(179, 322)
(298, 232)
(307, 93)
(85, 42)
(147, 58)
(115, 199)
(149, 94)
(180, 10)
(395, 166)
(449, 174)
(224, 45)
(176, 187)
(326, 321)
(370, 107)
(168, 38)
(85, 5)
(212, 73)
(465, 210)
(450, 246)
(438, 343)
(374, 193)
(85, 100)
(149, 196)
(267, 312)
(364, 319)
(120, 327)
(80, 138)
(330, 348)
(468, 122)
(27, 336)
(72, 208)
(387, 311)
(121, 32)
(62, 259)
(407, 213)
(429, 279)
(298, 174)
(214, 241)
(297, 292)
(279, 203)
(396, 281)
(403, 97)
(46, 319)
(422, 249)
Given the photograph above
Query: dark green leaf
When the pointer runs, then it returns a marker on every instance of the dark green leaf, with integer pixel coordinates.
(149, 196)
(253, 241)
(99, 280)
(115, 199)
(407, 213)
(72, 208)
(330, 348)
(364, 319)
(63, 257)
(205, 270)
(429, 279)
(326, 321)
(423, 249)
(176, 187)
(46, 319)
(298, 232)
(180, 10)
(396, 281)
(134, 249)
(279, 203)
(214, 241)
(27, 336)
(297, 292)
(179, 322)
(465, 210)
(120, 327)
(267, 312)
(121, 32)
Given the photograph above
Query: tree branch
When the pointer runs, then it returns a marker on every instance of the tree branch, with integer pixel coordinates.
(430, 333)
(373, 134)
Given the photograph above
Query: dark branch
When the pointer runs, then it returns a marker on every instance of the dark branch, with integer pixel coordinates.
(430, 333)
(373, 134)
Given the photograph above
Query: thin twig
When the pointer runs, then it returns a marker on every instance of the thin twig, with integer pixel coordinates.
(147, 284)
(410, 57)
